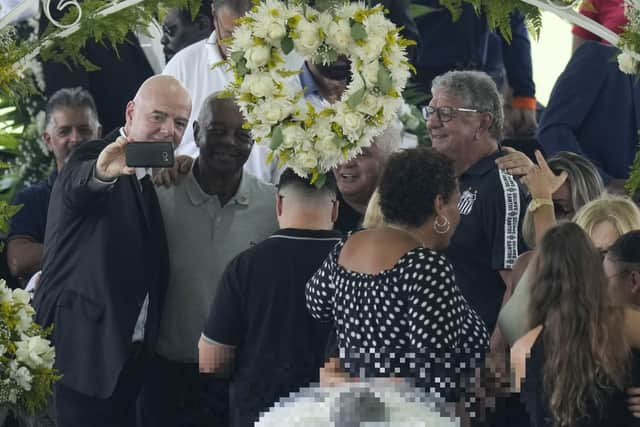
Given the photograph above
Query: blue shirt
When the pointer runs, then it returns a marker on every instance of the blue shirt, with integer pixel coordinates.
(466, 44)
(31, 220)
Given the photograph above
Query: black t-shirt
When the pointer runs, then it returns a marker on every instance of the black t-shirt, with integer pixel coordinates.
(260, 308)
(349, 219)
(31, 219)
(488, 238)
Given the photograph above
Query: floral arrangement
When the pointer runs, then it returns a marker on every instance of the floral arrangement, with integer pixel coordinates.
(26, 357)
(271, 98)
(629, 58)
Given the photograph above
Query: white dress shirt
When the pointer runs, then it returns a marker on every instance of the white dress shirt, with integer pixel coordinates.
(192, 66)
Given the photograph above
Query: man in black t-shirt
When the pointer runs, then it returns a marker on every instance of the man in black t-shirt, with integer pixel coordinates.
(259, 331)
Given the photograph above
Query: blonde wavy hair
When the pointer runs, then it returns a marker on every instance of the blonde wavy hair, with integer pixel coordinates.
(373, 217)
(619, 211)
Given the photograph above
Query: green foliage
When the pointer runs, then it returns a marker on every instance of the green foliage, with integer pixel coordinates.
(633, 183)
(497, 13)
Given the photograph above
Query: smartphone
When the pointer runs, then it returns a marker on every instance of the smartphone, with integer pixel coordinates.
(149, 154)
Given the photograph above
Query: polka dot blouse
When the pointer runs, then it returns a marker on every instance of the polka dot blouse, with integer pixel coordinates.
(410, 320)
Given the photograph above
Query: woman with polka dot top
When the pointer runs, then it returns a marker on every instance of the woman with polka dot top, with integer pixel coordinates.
(392, 295)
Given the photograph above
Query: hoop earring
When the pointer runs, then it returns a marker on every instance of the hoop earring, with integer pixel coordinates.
(441, 227)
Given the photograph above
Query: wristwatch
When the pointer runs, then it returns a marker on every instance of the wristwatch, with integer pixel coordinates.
(538, 203)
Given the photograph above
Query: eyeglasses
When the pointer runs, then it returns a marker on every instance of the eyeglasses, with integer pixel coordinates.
(445, 114)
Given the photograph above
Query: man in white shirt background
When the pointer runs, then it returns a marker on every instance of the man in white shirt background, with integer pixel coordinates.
(192, 66)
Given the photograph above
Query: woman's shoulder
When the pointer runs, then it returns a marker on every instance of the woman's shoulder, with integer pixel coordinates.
(375, 251)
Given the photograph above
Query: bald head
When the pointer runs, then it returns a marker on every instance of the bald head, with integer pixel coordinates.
(159, 111)
(214, 104)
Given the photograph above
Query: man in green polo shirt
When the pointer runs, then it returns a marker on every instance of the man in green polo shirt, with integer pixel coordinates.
(212, 214)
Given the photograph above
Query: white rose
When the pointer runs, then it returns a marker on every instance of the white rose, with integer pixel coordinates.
(20, 375)
(21, 296)
(327, 147)
(293, 135)
(626, 63)
(257, 56)
(372, 48)
(35, 352)
(370, 105)
(260, 131)
(25, 318)
(370, 73)
(308, 39)
(260, 85)
(5, 294)
(272, 112)
(306, 160)
(377, 24)
(271, 29)
(339, 34)
(352, 122)
(242, 39)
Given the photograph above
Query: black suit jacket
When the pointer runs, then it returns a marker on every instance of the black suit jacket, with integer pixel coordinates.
(104, 251)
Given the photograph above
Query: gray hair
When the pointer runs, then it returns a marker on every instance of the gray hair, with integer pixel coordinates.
(75, 97)
(390, 140)
(476, 90)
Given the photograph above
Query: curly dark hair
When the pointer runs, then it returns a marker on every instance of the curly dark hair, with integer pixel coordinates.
(410, 183)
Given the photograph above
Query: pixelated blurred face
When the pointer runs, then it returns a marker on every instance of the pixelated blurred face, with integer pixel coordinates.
(224, 144)
(68, 127)
(357, 179)
(177, 33)
(161, 116)
(224, 20)
(603, 235)
(619, 286)
(452, 134)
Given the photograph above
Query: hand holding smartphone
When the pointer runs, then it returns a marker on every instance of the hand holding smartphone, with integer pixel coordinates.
(149, 154)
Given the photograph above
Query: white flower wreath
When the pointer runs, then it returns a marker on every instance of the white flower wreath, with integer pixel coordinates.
(310, 141)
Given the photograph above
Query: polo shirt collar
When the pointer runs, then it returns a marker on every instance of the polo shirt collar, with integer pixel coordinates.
(484, 165)
(199, 197)
(307, 81)
(213, 50)
(302, 233)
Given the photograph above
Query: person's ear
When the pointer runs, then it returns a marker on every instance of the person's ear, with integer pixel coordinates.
(438, 205)
(278, 205)
(486, 119)
(196, 132)
(128, 116)
(46, 136)
(335, 209)
(635, 283)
